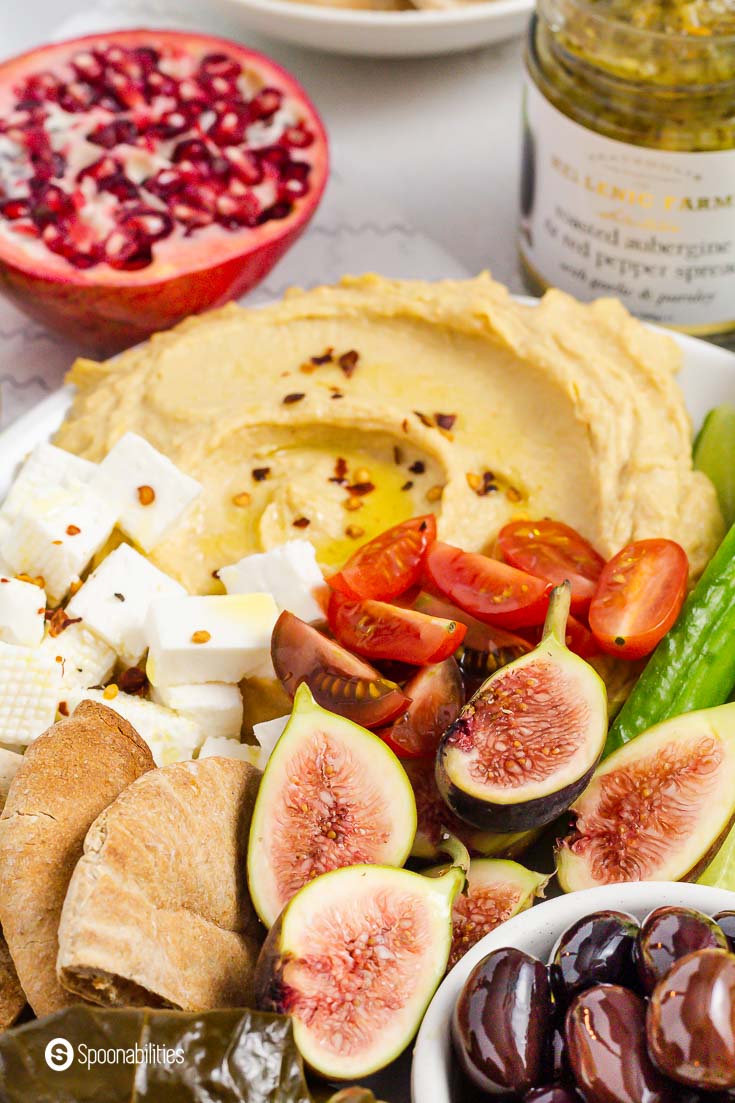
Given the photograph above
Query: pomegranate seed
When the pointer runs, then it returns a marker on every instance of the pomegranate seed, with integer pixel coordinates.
(127, 251)
(118, 132)
(192, 150)
(101, 170)
(244, 164)
(192, 92)
(220, 65)
(76, 96)
(229, 128)
(265, 103)
(165, 183)
(124, 89)
(147, 223)
(298, 136)
(87, 66)
(118, 185)
(147, 59)
(158, 84)
(13, 209)
(52, 205)
(278, 211)
(41, 88)
(240, 211)
(172, 124)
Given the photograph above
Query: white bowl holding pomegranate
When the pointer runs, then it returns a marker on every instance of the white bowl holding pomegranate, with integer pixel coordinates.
(535, 932)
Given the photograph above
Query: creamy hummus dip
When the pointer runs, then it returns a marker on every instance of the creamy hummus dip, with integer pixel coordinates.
(341, 411)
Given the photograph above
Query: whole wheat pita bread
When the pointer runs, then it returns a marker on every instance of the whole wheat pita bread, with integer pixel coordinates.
(12, 997)
(67, 777)
(157, 913)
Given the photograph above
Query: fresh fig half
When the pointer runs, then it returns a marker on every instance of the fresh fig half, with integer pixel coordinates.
(332, 795)
(658, 808)
(496, 891)
(433, 817)
(528, 742)
(354, 959)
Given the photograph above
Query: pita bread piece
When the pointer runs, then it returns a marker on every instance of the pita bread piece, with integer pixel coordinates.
(158, 913)
(68, 776)
(12, 997)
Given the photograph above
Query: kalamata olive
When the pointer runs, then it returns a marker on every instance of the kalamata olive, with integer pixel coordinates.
(606, 1042)
(726, 922)
(691, 1021)
(595, 950)
(669, 934)
(552, 1093)
(501, 1022)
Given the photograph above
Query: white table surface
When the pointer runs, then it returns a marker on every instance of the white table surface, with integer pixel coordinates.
(425, 164)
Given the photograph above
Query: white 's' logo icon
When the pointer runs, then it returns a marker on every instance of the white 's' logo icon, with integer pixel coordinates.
(59, 1054)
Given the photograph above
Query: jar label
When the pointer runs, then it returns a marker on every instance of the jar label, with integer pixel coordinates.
(653, 228)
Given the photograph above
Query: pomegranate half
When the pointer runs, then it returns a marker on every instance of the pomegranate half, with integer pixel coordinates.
(148, 175)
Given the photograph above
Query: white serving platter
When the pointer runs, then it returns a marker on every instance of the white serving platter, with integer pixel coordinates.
(382, 33)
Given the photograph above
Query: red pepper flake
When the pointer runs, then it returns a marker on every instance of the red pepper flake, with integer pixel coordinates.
(348, 362)
(424, 419)
(63, 708)
(325, 358)
(290, 399)
(445, 421)
(215, 573)
(57, 543)
(404, 425)
(301, 523)
(360, 489)
(4, 580)
(201, 636)
(133, 680)
(417, 467)
(146, 495)
(340, 470)
(58, 621)
(336, 394)
(73, 530)
(261, 473)
(513, 495)
(407, 485)
(397, 454)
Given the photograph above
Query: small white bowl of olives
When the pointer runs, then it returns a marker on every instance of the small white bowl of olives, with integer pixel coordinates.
(613, 995)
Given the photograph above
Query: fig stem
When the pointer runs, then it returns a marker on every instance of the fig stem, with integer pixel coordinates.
(555, 625)
(455, 848)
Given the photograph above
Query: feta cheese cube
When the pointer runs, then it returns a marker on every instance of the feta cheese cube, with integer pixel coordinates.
(29, 692)
(208, 639)
(269, 732)
(214, 706)
(148, 491)
(114, 600)
(22, 612)
(290, 573)
(219, 747)
(56, 536)
(47, 468)
(83, 658)
(171, 738)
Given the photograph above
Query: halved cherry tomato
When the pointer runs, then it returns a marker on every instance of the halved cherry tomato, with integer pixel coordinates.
(480, 636)
(338, 680)
(381, 631)
(554, 552)
(390, 564)
(638, 597)
(488, 589)
(437, 696)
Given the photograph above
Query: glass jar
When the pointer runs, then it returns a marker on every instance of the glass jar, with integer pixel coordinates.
(628, 175)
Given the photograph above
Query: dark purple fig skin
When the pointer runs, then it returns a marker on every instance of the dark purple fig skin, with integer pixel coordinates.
(667, 935)
(501, 1021)
(726, 923)
(506, 818)
(606, 1039)
(553, 1093)
(690, 1024)
(597, 949)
